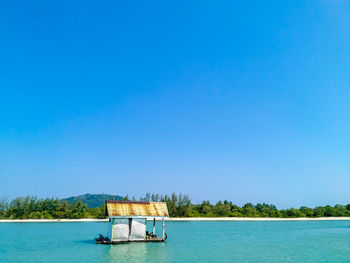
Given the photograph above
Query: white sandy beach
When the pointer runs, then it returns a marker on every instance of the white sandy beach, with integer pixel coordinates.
(51, 220)
(257, 219)
(180, 219)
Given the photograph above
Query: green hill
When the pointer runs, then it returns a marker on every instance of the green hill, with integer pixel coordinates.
(92, 200)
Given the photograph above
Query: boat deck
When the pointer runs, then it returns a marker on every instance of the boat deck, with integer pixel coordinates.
(149, 238)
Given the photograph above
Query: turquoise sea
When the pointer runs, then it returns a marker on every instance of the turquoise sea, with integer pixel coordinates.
(306, 241)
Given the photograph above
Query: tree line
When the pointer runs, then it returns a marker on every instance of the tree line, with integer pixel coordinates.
(179, 205)
(50, 208)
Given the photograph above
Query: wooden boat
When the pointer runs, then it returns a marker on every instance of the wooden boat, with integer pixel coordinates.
(149, 238)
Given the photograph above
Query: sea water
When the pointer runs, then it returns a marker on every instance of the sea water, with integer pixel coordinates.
(287, 241)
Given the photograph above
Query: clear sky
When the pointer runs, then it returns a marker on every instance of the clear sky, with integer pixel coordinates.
(241, 100)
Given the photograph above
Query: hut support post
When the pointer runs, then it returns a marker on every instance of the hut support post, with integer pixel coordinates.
(154, 226)
(163, 235)
(130, 228)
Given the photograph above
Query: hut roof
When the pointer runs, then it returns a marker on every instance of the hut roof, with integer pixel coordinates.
(136, 208)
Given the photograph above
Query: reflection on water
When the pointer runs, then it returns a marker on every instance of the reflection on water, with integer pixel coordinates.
(135, 252)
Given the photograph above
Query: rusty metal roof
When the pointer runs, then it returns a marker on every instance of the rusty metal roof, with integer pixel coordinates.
(136, 208)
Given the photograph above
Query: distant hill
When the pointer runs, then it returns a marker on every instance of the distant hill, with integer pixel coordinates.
(92, 200)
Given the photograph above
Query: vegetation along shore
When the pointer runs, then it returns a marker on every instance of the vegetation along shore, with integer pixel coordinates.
(179, 205)
(181, 219)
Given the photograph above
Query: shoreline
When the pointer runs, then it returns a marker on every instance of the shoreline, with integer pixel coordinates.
(179, 219)
(258, 219)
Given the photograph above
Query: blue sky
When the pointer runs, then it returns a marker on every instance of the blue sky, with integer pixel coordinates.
(240, 100)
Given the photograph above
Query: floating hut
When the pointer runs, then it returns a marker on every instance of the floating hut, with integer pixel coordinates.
(127, 221)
